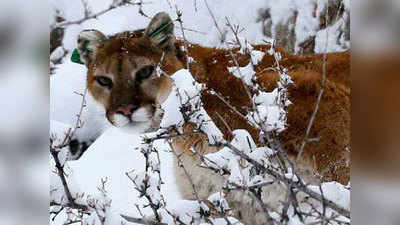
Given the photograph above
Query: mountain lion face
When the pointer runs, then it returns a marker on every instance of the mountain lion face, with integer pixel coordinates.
(122, 73)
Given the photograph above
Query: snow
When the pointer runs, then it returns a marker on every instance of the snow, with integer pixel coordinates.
(223, 221)
(57, 53)
(113, 153)
(289, 175)
(281, 10)
(195, 17)
(225, 159)
(269, 111)
(186, 93)
(256, 56)
(244, 73)
(57, 193)
(335, 192)
(142, 178)
(58, 131)
(306, 24)
(261, 155)
(330, 33)
(218, 200)
(185, 208)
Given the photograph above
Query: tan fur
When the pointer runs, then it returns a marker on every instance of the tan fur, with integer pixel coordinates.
(121, 56)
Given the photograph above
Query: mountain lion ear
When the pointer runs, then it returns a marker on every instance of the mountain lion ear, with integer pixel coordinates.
(160, 31)
(88, 43)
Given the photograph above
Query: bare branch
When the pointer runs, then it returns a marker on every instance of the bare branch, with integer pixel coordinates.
(140, 221)
(179, 19)
(89, 16)
(321, 92)
(180, 163)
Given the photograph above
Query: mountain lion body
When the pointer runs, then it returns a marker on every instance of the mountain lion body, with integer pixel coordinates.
(122, 77)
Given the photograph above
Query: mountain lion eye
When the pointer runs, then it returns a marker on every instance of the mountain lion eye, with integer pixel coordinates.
(104, 81)
(145, 72)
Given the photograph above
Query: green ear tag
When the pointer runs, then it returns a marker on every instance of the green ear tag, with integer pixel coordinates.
(159, 30)
(76, 58)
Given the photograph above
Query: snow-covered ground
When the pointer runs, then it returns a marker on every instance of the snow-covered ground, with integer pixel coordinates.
(114, 153)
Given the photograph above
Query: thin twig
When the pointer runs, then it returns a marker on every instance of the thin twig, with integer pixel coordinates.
(78, 123)
(140, 221)
(96, 15)
(321, 92)
(180, 163)
(179, 19)
(148, 140)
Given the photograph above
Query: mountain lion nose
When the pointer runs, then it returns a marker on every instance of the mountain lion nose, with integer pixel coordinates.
(126, 110)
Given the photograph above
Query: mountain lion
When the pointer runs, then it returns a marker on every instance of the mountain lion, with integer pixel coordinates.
(122, 77)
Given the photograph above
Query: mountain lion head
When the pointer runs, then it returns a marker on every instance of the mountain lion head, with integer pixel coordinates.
(122, 74)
